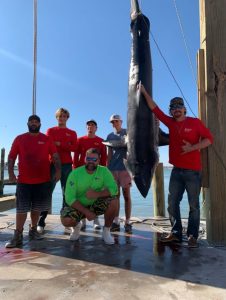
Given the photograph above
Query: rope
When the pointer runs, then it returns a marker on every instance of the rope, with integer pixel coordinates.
(193, 73)
(185, 43)
(168, 67)
(34, 59)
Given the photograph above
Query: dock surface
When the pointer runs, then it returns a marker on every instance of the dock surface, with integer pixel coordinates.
(137, 267)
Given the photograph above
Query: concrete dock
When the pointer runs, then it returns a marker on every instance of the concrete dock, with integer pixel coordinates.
(137, 267)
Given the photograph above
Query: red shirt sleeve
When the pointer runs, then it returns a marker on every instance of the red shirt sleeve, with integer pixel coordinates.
(205, 132)
(161, 116)
(14, 151)
(103, 155)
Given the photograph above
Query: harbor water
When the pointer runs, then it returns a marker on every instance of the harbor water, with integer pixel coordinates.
(141, 207)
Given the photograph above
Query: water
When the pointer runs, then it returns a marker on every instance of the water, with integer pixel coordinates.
(141, 207)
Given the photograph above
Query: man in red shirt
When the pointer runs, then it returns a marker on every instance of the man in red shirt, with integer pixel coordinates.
(91, 140)
(33, 192)
(65, 140)
(187, 137)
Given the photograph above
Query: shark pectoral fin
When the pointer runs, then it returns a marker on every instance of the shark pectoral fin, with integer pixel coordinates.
(106, 143)
(116, 143)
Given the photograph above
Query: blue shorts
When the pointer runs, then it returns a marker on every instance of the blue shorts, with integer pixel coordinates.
(35, 197)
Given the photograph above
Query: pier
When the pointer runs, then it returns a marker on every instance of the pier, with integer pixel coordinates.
(7, 202)
(137, 267)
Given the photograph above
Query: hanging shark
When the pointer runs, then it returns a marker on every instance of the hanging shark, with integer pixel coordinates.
(143, 133)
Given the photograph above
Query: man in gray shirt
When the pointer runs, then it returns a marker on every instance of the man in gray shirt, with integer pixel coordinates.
(116, 153)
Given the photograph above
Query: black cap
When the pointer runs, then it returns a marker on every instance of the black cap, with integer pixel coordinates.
(91, 121)
(34, 117)
(176, 101)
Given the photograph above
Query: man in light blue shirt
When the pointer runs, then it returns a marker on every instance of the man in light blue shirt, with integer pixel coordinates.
(116, 154)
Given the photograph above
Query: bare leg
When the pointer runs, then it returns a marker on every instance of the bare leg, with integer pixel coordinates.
(20, 220)
(34, 218)
(128, 204)
(68, 222)
(110, 213)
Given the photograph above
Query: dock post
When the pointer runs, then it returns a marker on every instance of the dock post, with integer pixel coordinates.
(2, 171)
(158, 191)
(213, 45)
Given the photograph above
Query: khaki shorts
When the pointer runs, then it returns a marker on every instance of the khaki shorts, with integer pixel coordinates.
(98, 207)
(122, 178)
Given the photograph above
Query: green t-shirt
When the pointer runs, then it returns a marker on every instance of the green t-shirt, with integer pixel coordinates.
(79, 181)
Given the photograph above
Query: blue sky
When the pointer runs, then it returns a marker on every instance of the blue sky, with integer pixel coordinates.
(83, 60)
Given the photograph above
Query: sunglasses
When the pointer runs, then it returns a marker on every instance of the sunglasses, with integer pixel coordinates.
(173, 107)
(93, 159)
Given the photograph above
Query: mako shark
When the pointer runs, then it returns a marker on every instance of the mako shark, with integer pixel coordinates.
(143, 133)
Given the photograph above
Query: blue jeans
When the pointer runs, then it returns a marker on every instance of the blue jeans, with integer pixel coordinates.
(181, 180)
(65, 171)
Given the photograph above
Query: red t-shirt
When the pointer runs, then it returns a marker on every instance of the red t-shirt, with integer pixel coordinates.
(84, 143)
(191, 130)
(68, 141)
(33, 157)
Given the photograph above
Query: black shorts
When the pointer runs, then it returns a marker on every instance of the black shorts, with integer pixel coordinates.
(98, 207)
(35, 197)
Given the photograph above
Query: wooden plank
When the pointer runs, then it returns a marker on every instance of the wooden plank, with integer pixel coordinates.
(213, 41)
(7, 202)
(202, 113)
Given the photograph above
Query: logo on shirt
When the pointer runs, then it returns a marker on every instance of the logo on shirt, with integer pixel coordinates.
(71, 183)
(68, 134)
(41, 142)
(97, 178)
(187, 129)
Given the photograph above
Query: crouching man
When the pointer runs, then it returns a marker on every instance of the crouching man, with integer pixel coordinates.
(90, 191)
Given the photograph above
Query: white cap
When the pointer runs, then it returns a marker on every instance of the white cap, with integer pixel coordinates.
(115, 117)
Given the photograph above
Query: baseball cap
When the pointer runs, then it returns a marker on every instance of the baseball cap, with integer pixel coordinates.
(91, 121)
(34, 117)
(176, 101)
(115, 117)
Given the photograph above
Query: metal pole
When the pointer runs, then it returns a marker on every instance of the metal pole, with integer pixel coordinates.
(34, 57)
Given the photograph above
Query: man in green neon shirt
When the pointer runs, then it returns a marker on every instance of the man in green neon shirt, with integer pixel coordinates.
(90, 191)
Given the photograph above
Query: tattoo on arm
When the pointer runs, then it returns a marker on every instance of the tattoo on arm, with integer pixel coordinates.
(56, 161)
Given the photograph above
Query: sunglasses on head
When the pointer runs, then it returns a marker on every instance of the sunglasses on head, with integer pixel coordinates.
(93, 159)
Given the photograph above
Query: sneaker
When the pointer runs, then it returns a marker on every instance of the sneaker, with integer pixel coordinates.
(96, 224)
(75, 232)
(40, 229)
(115, 227)
(34, 234)
(192, 242)
(67, 230)
(170, 238)
(83, 227)
(106, 235)
(16, 241)
(128, 228)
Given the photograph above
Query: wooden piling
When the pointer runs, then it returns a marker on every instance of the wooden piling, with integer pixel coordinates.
(158, 191)
(213, 43)
(2, 171)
